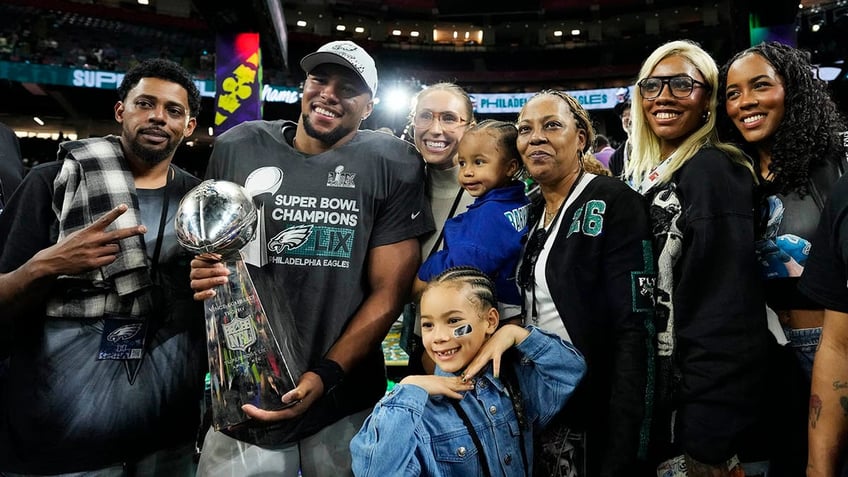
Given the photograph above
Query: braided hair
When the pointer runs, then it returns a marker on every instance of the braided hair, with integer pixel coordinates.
(482, 287)
(581, 116)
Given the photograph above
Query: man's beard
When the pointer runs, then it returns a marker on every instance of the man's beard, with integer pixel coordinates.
(328, 138)
(153, 156)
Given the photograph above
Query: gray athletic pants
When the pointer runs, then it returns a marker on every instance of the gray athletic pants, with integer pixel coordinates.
(326, 453)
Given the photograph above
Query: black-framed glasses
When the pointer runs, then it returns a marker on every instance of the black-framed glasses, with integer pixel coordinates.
(449, 120)
(535, 244)
(681, 86)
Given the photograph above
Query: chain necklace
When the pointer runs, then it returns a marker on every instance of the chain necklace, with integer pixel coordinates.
(535, 243)
(549, 215)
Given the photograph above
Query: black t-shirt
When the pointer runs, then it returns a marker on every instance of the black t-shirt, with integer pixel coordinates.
(825, 277)
(321, 215)
(786, 224)
(616, 162)
(11, 166)
(61, 409)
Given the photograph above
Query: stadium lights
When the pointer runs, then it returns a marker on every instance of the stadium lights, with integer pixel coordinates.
(301, 23)
(38, 121)
(397, 99)
(816, 21)
(828, 73)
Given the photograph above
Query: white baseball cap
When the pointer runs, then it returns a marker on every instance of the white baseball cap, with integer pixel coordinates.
(348, 54)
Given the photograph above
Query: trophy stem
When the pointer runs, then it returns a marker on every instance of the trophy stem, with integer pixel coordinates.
(245, 361)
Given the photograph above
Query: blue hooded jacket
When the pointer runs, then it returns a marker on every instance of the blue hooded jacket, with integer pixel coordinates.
(488, 236)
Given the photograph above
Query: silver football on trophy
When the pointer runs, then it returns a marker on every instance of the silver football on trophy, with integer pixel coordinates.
(217, 217)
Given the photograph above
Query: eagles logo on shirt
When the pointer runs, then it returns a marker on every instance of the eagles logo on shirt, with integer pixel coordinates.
(124, 333)
(290, 239)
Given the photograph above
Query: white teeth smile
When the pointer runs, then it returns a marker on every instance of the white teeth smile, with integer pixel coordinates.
(751, 119)
(445, 354)
(666, 115)
(325, 112)
(436, 144)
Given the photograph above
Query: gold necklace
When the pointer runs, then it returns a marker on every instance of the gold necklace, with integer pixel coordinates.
(549, 215)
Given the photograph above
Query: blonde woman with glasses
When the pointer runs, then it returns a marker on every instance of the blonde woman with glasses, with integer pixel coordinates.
(712, 334)
(439, 117)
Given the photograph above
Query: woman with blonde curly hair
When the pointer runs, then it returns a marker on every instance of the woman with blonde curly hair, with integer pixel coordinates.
(712, 334)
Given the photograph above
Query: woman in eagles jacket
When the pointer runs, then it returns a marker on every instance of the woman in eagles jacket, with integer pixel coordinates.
(711, 324)
(587, 275)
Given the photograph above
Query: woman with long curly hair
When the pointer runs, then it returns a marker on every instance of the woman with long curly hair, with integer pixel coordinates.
(783, 117)
(711, 324)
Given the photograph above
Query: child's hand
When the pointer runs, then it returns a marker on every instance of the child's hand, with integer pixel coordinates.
(503, 339)
(440, 385)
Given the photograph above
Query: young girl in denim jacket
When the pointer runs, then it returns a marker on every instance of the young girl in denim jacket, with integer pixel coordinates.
(468, 418)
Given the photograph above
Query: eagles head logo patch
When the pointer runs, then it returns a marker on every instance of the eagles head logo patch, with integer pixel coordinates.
(124, 333)
(290, 239)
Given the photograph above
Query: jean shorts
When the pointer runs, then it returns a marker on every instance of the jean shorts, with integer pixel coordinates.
(804, 342)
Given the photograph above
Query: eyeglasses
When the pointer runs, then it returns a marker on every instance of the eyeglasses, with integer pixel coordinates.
(534, 247)
(449, 121)
(680, 86)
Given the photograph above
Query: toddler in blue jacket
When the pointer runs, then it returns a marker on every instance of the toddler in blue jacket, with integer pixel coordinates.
(489, 235)
(456, 423)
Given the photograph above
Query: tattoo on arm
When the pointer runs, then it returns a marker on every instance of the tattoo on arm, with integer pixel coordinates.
(840, 385)
(843, 401)
(815, 409)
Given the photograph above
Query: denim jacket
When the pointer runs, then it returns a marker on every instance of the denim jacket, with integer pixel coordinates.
(411, 434)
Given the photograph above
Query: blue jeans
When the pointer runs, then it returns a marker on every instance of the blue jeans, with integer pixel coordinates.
(803, 342)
